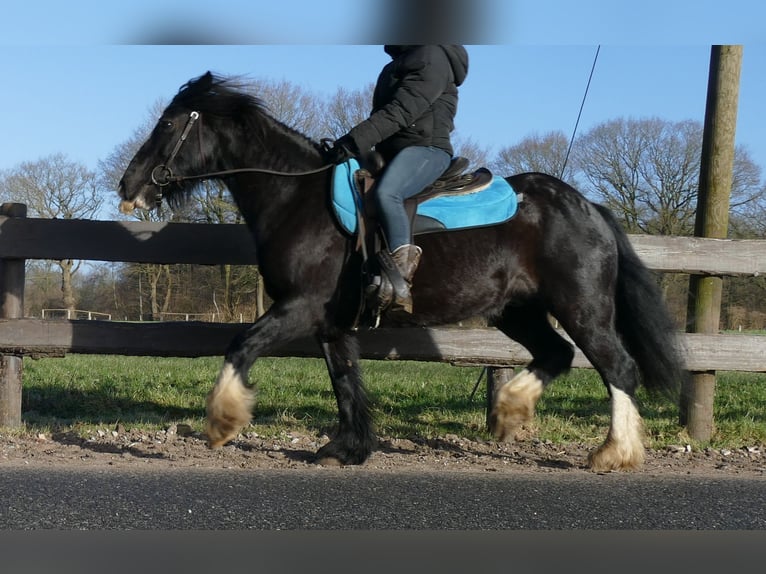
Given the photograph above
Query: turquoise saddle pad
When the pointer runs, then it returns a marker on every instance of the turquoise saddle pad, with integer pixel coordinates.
(495, 204)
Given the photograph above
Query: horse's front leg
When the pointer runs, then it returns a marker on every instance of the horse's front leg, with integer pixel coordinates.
(230, 402)
(355, 439)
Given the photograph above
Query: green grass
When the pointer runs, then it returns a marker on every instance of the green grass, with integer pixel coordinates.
(410, 399)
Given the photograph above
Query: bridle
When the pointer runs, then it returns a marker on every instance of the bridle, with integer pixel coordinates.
(162, 175)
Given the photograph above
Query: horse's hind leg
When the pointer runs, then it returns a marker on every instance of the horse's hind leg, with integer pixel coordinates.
(594, 333)
(515, 401)
(355, 438)
(624, 444)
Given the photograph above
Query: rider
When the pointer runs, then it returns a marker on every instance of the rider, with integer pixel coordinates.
(413, 111)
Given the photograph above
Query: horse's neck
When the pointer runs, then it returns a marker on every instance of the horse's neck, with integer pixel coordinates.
(274, 146)
(271, 203)
(267, 199)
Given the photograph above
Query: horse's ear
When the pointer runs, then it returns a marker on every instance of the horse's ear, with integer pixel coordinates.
(201, 84)
(206, 80)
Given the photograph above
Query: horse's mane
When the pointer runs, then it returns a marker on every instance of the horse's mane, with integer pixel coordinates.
(217, 95)
(230, 98)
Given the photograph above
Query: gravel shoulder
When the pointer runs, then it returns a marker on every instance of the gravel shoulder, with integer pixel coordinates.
(179, 447)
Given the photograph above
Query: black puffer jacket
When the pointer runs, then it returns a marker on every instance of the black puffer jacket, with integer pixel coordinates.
(415, 100)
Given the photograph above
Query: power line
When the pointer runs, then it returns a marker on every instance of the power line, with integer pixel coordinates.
(582, 105)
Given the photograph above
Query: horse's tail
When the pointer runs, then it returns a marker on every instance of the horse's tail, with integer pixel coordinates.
(643, 321)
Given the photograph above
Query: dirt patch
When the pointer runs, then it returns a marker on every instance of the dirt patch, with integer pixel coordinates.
(178, 446)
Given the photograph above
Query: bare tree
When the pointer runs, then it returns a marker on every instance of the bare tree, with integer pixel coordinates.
(58, 188)
(469, 149)
(156, 278)
(747, 217)
(647, 172)
(237, 282)
(344, 109)
(290, 103)
(545, 153)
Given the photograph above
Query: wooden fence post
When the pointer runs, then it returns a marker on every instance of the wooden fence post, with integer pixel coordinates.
(11, 307)
(716, 168)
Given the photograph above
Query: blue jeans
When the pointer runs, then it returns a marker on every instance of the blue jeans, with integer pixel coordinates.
(411, 170)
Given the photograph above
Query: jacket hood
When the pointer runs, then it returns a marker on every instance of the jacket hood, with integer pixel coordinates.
(394, 50)
(458, 58)
(456, 54)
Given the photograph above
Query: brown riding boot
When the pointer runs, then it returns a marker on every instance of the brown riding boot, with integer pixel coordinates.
(406, 258)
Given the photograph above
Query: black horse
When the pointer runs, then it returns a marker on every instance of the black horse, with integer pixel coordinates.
(561, 255)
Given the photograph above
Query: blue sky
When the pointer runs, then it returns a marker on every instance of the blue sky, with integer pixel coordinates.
(78, 78)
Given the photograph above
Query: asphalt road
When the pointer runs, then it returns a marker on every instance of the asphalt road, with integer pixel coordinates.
(357, 499)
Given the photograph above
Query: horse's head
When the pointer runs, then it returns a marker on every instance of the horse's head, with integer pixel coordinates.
(174, 149)
(212, 125)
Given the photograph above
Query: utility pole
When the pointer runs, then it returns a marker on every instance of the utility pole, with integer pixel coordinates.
(712, 220)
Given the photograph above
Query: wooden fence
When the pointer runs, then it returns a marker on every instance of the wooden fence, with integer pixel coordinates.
(24, 238)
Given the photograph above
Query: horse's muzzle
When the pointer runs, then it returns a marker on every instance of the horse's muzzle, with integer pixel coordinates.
(128, 206)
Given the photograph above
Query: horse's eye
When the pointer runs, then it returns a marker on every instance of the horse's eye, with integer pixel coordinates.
(168, 125)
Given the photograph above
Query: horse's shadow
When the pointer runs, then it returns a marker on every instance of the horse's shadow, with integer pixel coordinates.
(61, 406)
(304, 456)
(71, 438)
(467, 451)
(386, 447)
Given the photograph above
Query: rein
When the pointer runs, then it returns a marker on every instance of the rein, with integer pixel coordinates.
(162, 175)
(179, 178)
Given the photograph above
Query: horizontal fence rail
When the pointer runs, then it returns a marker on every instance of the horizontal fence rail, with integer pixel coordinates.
(128, 241)
(474, 346)
(147, 242)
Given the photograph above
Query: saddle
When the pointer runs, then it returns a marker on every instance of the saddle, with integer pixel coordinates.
(452, 182)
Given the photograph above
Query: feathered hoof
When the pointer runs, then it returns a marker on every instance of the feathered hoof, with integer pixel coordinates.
(514, 407)
(229, 408)
(506, 425)
(611, 456)
(220, 431)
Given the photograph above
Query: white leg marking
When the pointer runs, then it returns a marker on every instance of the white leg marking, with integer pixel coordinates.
(625, 418)
(515, 405)
(229, 406)
(624, 446)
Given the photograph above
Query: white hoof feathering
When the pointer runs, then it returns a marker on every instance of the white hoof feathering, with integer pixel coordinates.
(229, 407)
(623, 448)
(515, 405)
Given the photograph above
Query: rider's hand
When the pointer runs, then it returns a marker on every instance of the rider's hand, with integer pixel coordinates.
(341, 151)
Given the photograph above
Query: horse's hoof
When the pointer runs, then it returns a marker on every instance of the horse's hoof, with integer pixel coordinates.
(504, 428)
(216, 438)
(608, 457)
(514, 407)
(332, 454)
